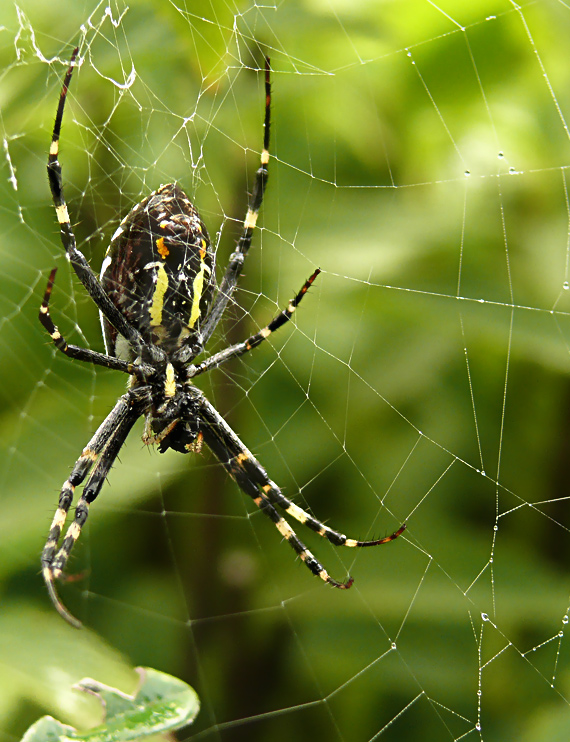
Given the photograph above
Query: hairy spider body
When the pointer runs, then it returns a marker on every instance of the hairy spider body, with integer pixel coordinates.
(159, 306)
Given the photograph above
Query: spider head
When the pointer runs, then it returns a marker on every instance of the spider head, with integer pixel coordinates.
(172, 419)
(182, 436)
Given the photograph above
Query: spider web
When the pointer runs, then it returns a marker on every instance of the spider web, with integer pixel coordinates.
(419, 158)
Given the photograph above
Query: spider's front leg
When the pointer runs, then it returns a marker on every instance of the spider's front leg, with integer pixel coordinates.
(76, 257)
(101, 451)
(237, 259)
(252, 478)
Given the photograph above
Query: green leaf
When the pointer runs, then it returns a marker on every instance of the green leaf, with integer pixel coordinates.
(162, 703)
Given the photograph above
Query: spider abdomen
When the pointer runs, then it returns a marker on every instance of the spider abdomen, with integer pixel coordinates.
(159, 272)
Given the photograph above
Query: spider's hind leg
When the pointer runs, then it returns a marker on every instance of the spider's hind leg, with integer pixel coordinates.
(75, 352)
(252, 478)
(101, 451)
(275, 495)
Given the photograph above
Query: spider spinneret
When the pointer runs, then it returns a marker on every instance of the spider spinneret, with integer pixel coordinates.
(159, 305)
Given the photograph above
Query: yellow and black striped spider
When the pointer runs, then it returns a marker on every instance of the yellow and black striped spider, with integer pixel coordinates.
(159, 306)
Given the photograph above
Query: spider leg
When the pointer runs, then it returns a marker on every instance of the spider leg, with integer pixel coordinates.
(252, 478)
(240, 348)
(83, 354)
(275, 495)
(76, 257)
(102, 451)
(237, 258)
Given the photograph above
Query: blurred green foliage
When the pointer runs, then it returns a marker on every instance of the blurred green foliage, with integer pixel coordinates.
(160, 705)
(419, 158)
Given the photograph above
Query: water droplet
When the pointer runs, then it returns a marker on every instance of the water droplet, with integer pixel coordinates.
(484, 617)
(501, 155)
(560, 633)
(467, 173)
(512, 171)
(393, 645)
(565, 619)
(483, 473)
(566, 285)
(478, 727)
(479, 693)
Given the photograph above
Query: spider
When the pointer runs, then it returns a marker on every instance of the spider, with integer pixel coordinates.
(159, 306)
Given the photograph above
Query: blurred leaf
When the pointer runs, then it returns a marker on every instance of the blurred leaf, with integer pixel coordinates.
(161, 704)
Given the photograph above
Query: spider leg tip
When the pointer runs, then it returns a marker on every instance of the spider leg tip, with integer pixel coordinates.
(316, 272)
(58, 605)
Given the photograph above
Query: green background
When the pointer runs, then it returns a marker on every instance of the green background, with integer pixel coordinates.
(419, 156)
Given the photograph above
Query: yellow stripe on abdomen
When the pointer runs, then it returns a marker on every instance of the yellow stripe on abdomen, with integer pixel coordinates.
(157, 301)
(198, 288)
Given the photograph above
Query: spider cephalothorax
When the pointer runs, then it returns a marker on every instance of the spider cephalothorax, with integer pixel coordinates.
(159, 306)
